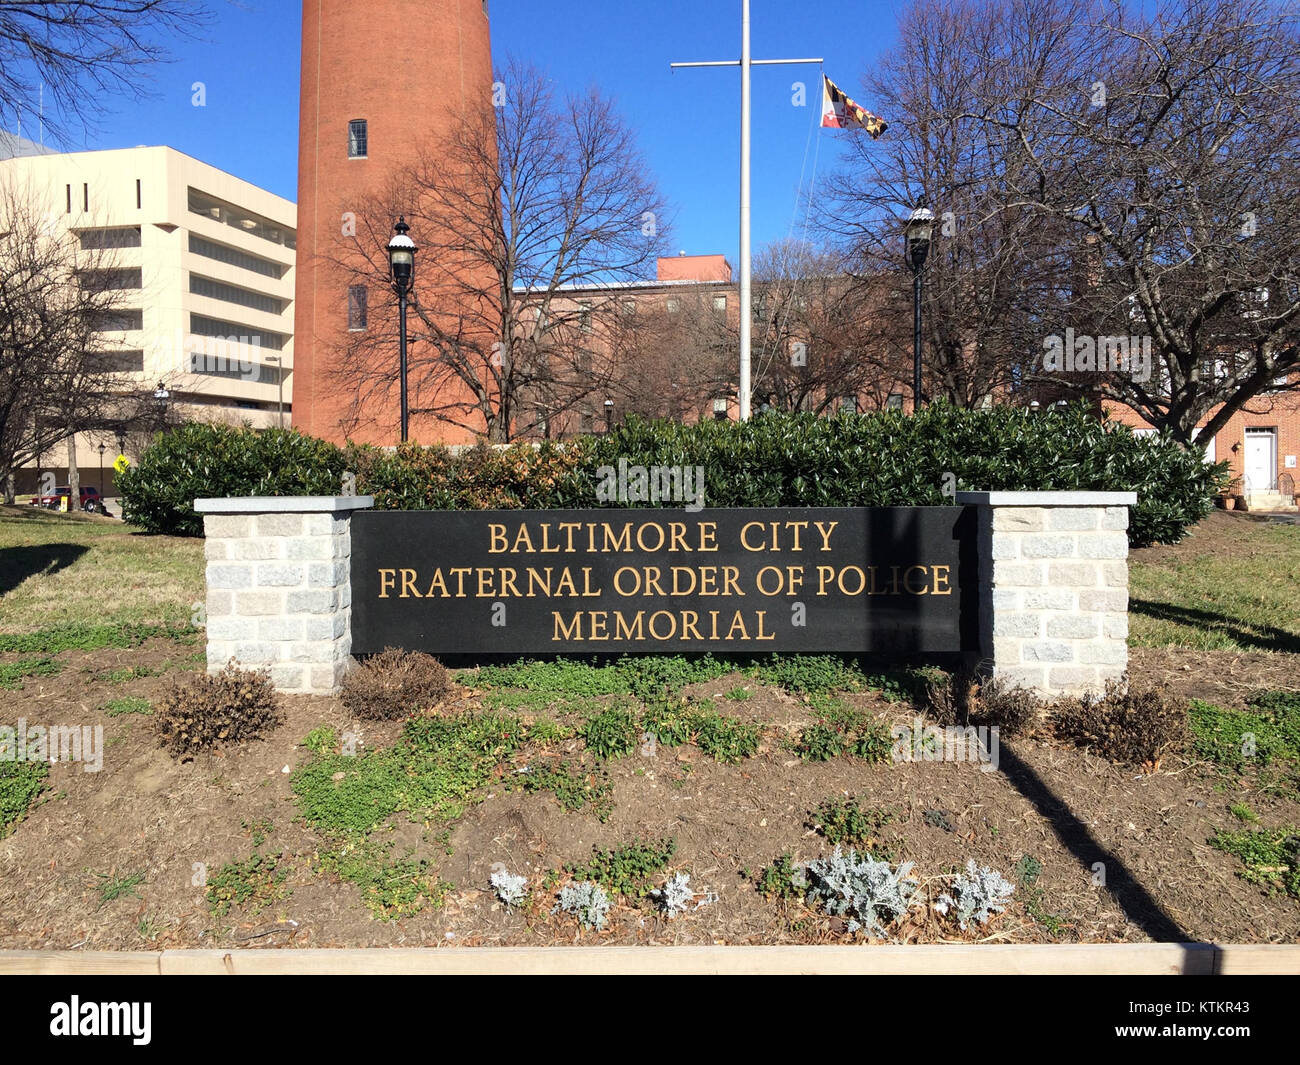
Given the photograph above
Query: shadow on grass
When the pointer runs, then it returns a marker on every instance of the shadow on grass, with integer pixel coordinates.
(19, 563)
(1251, 637)
(1138, 905)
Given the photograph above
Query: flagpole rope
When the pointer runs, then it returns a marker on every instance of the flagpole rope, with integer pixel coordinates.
(812, 185)
(812, 125)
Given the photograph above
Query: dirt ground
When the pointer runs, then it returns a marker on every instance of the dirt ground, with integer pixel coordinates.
(1124, 856)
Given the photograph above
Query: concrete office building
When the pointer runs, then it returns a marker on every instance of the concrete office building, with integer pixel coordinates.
(204, 263)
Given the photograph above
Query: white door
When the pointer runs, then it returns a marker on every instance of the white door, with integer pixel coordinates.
(1261, 460)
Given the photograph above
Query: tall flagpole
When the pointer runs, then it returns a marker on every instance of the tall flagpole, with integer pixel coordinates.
(746, 63)
(746, 261)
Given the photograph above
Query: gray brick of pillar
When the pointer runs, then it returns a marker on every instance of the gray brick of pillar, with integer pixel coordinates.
(278, 586)
(1053, 588)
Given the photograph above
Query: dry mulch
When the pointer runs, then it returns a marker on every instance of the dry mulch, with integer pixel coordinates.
(145, 813)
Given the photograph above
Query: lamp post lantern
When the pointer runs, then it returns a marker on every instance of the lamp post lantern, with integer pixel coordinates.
(102, 449)
(916, 242)
(609, 415)
(401, 262)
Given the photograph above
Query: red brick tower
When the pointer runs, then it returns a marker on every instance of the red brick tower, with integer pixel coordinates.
(380, 79)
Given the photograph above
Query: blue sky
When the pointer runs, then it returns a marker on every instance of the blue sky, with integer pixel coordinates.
(688, 121)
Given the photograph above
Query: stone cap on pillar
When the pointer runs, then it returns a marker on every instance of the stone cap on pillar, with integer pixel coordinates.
(1048, 499)
(283, 504)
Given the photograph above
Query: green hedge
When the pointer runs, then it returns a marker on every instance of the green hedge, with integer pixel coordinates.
(197, 461)
(894, 459)
(799, 460)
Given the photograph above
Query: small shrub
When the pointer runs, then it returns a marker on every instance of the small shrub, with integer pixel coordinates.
(844, 821)
(1242, 812)
(1028, 869)
(511, 890)
(675, 895)
(1124, 725)
(669, 721)
(544, 730)
(585, 901)
(256, 882)
(394, 684)
(980, 893)
(654, 676)
(20, 785)
(873, 892)
(626, 870)
(811, 674)
(210, 711)
(1007, 707)
(739, 695)
(611, 733)
(726, 739)
(783, 879)
(936, 695)
(839, 729)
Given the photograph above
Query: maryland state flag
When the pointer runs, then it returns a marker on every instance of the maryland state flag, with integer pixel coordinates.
(839, 112)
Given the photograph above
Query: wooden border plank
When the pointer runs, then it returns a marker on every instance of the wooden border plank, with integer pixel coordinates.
(926, 959)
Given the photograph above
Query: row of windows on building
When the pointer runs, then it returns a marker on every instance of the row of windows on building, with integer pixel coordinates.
(84, 198)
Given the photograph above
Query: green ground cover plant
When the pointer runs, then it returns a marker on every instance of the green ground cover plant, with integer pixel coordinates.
(21, 783)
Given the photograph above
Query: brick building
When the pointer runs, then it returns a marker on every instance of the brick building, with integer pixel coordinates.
(381, 81)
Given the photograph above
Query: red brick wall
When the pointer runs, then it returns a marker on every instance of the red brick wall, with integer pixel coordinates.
(1268, 412)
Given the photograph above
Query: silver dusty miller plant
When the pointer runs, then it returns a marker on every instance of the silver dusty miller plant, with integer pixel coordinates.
(674, 896)
(981, 892)
(511, 890)
(586, 901)
(863, 887)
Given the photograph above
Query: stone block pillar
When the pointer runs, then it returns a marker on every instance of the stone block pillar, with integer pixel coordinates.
(1053, 587)
(279, 591)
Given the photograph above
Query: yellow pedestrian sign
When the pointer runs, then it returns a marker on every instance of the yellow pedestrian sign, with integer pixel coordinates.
(121, 463)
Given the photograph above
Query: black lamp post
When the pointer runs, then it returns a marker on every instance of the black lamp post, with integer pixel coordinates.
(609, 415)
(917, 246)
(401, 261)
(102, 449)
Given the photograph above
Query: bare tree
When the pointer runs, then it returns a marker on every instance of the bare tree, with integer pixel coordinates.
(991, 264)
(1175, 164)
(527, 220)
(821, 334)
(58, 370)
(77, 53)
(672, 356)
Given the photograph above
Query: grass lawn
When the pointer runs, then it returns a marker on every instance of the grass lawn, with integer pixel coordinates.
(59, 570)
(1230, 586)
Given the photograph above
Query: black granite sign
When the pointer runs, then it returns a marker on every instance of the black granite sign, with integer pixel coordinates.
(885, 579)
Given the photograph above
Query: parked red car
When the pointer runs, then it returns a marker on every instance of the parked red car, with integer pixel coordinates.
(90, 500)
